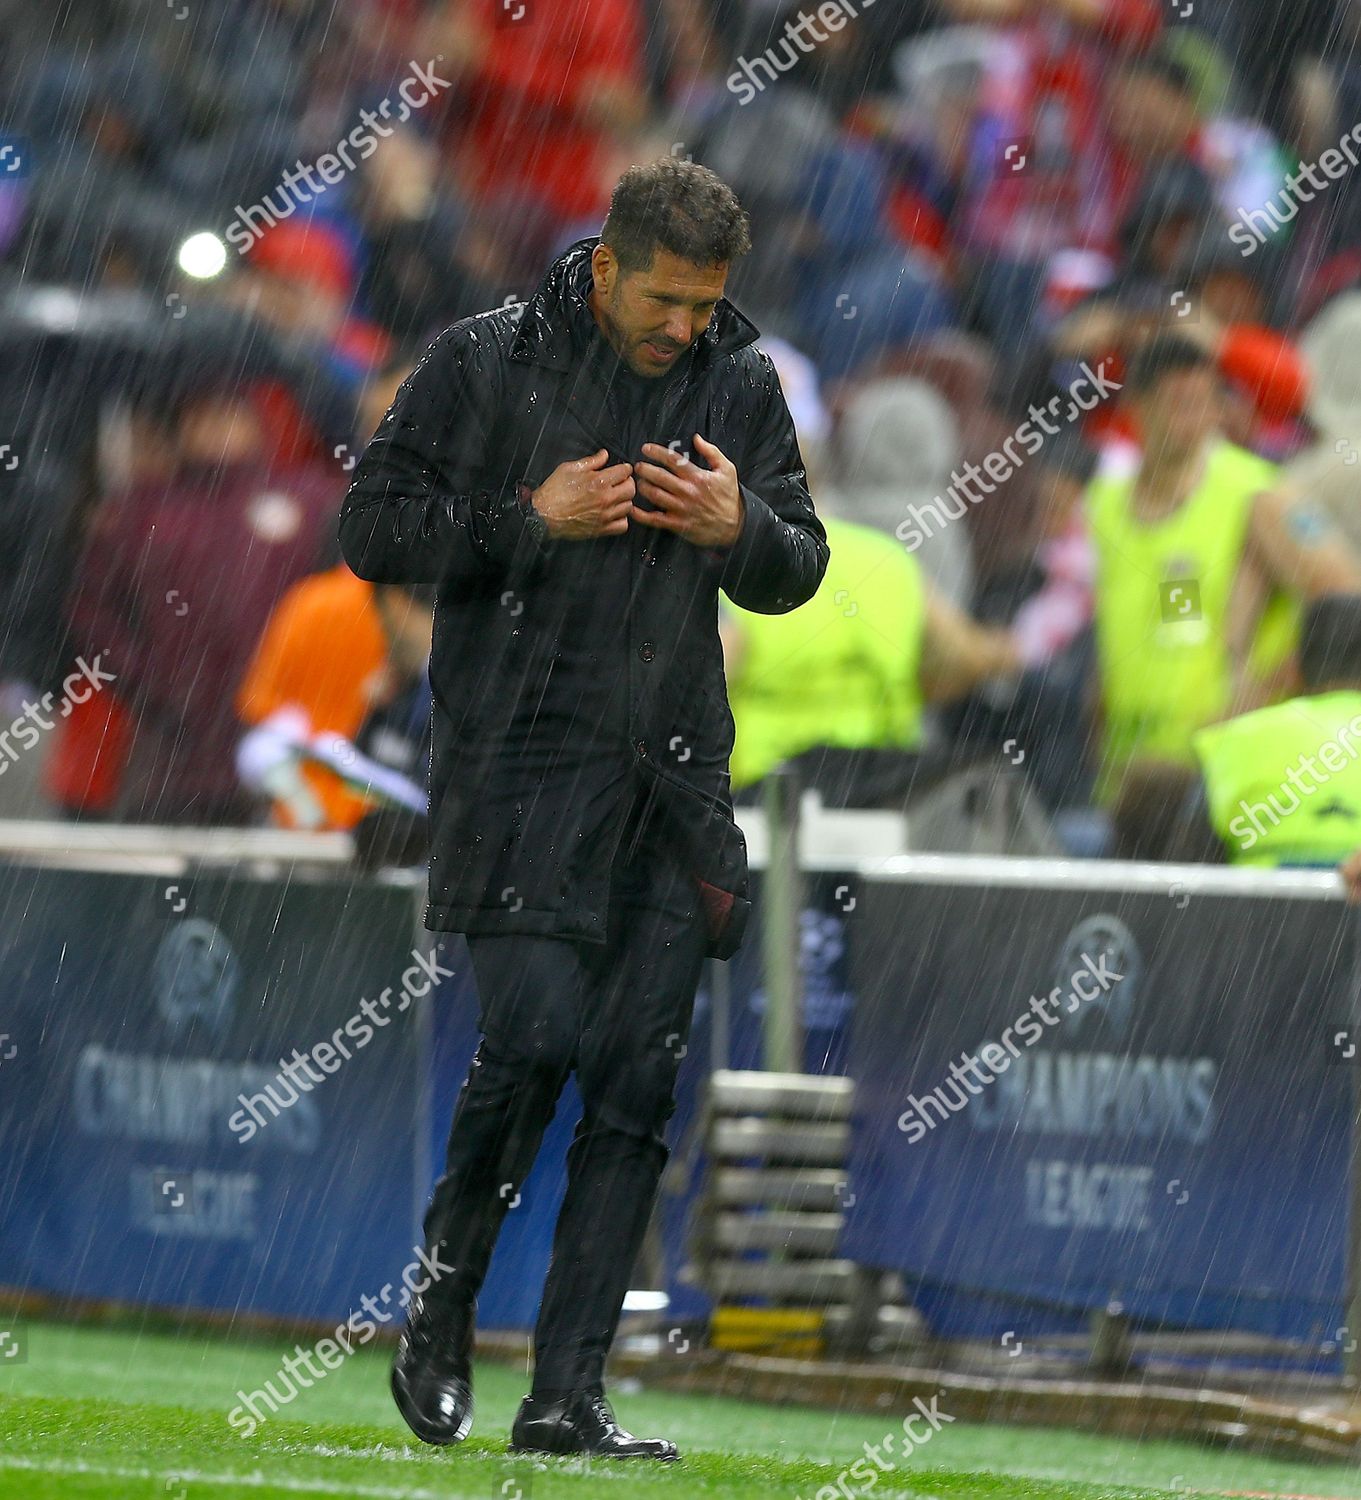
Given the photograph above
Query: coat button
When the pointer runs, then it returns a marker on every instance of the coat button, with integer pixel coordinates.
(647, 651)
(640, 746)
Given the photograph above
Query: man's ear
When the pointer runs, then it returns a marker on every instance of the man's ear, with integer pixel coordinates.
(604, 268)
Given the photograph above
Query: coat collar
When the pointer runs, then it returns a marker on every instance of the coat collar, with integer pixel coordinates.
(545, 334)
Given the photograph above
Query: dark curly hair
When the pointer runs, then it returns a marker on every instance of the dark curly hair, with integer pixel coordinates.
(677, 206)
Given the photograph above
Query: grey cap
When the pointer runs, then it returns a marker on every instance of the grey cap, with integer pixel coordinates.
(1331, 346)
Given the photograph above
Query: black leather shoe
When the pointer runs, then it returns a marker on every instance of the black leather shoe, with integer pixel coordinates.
(581, 1423)
(432, 1377)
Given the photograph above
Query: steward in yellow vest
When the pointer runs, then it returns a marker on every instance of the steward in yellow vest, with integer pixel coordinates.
(1283, 784)
(854, 665)
(1163, 599)
(1189, 552)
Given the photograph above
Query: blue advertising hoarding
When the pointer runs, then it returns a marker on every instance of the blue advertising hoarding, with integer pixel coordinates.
(1175, 1139)
(153, 1151)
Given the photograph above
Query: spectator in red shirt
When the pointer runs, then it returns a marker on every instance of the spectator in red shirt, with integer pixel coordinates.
(549, 99)
(1038, 177)
(177, 580)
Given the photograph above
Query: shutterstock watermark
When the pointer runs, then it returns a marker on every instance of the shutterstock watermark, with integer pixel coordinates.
(332, 1351)
(866, 1477)
(975, 1072)
(1336, 161)
(801, 36)
(415, 91)
(77, 688)
(924, 521)
(301, 1073)
(1336, 754)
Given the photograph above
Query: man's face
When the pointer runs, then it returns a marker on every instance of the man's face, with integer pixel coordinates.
(651, 316)
(1148, 115)
(1061, 499)
(1181, 410)
(220, 429)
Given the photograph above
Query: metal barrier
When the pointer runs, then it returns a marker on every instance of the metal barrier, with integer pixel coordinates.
(776, 1145)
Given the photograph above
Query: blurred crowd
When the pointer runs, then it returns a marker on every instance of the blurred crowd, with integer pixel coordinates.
(1116, 243)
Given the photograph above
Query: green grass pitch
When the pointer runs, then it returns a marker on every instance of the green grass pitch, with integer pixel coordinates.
(111, 1414)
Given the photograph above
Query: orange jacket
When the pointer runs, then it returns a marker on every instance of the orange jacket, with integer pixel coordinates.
(323, 651)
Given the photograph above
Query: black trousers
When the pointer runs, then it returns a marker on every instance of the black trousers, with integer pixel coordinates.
(618, 1013)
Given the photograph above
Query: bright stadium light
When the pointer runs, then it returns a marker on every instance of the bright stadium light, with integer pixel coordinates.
(202, 256)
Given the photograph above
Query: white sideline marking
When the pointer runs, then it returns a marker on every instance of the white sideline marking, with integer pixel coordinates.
(258, 1480)
(254, 1480)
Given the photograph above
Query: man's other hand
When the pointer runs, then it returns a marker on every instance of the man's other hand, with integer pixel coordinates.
(702, 505)
(1350, 871)
(581, 499)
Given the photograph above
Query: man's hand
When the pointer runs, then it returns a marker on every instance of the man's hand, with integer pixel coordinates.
(702, 505)
(1350, 871)
(580, 499)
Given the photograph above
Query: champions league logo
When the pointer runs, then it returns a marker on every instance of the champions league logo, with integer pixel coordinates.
(822, 947)
(195, 978)
(826, 1003)
(1105, 1018)
(1085, 1078)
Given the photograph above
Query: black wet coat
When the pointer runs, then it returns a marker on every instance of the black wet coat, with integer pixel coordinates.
(567, 674)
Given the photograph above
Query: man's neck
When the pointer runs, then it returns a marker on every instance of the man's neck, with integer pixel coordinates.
(1166, 480)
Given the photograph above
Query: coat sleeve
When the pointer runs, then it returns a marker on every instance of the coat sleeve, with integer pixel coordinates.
(425, 504)
(779, 558)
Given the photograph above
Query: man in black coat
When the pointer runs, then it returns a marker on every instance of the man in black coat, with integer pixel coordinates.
(578, 476)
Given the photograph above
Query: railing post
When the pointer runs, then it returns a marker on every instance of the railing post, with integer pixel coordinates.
(781, 936)
(720, 1016)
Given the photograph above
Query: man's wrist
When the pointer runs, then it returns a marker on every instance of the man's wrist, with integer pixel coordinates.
(741, 518)
(533, 520)
(741, 526)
